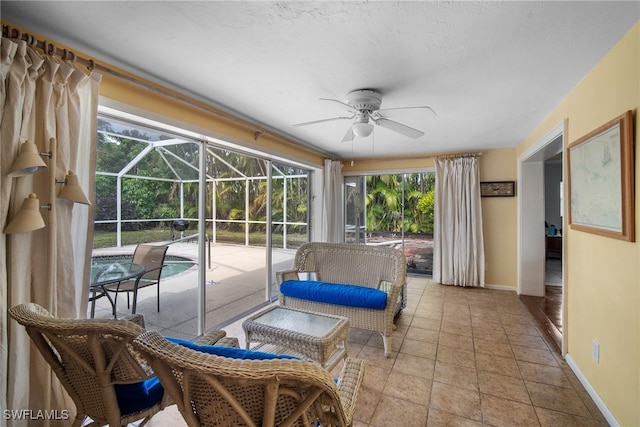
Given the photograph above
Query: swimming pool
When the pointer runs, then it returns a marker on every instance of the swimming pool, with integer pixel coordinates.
(173, 264)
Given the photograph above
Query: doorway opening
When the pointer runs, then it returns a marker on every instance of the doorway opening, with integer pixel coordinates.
(540, 234)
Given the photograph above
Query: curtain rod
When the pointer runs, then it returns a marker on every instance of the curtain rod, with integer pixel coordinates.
(417, 157)
(457, 155)
(68, 55)
(46, 47)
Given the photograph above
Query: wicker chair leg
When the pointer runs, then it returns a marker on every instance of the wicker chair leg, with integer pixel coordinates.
(387, 345)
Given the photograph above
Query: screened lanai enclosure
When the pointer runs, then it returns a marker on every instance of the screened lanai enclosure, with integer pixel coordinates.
(231, 219)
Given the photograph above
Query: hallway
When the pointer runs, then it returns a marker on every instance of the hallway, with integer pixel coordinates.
(547, 310)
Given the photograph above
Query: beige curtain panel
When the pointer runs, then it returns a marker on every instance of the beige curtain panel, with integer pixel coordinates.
(458, 252)
(332, 227)
(43, 97)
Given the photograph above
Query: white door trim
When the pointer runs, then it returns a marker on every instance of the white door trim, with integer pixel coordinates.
(531, 219)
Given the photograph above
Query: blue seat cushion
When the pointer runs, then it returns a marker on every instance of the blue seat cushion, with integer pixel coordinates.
(335, 293)
(138, 396)
(230, 352)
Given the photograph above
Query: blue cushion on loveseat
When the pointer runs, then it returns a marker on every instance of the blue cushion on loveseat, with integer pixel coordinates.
(335, 293)
(230, 352)
(139, 396)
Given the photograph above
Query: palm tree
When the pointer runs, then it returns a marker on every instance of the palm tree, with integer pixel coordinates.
(388, 195)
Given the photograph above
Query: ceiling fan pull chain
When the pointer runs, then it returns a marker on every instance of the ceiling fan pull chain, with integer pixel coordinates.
(373, 144)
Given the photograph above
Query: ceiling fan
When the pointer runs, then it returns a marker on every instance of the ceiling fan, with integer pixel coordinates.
(364, 106)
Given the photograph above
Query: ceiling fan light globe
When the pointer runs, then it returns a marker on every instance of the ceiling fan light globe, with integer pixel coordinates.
(362, 130)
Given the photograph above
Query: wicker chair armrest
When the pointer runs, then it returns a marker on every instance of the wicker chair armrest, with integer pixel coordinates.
(349, 384)
(395, 289)
(228, 342)
(138, 319)
(210, 337)
(282, 276)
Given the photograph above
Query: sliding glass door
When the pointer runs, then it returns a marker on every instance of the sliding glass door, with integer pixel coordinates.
(289, 217)
(394, 210)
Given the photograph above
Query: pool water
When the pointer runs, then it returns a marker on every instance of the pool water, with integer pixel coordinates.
(173, 264)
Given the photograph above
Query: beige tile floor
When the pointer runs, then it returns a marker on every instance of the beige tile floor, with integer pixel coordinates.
(462, 357)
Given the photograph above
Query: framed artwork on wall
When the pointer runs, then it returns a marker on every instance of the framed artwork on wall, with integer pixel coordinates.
(498, 189)
(601, 180)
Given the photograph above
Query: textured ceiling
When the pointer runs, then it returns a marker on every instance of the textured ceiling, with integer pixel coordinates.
(491, 70)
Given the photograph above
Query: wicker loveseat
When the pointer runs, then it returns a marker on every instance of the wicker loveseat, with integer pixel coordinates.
(363, 283)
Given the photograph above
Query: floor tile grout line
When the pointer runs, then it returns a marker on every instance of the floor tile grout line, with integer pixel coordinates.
(508, 312)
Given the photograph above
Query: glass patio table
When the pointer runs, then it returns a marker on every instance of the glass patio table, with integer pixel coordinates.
(317, 337)
(115, 272)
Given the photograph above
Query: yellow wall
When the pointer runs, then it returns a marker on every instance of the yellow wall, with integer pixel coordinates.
(499, 219)
(602, 274)
(388, 164)
(209, 122)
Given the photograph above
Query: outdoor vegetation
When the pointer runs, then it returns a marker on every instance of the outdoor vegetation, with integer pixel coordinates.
(158, 177)
(387, 194)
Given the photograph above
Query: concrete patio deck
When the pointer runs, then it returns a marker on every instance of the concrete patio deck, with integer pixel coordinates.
(235, 285)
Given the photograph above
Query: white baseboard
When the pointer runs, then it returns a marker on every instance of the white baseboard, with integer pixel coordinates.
(487, 286)
(592, 392)
(500, 287)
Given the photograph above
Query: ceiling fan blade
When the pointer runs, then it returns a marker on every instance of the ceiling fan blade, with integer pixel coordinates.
(410, 108)
(323, 120)
(399, 127)
(347, 106)
(349, 136)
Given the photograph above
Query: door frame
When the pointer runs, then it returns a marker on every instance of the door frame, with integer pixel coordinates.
(364, 173)
(531, 217)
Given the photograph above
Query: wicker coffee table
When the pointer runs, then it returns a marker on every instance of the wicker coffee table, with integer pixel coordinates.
(320, 338)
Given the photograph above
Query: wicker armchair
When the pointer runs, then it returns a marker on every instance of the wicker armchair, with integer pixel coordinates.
(97, 365)
(210, 390)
